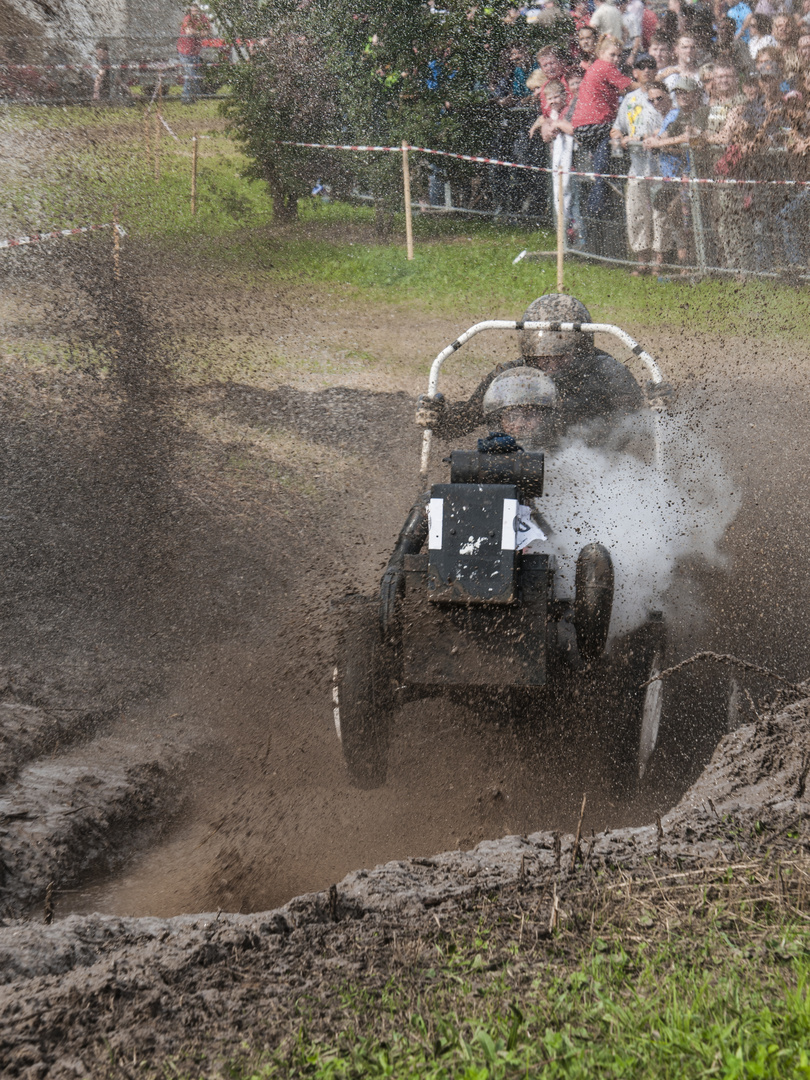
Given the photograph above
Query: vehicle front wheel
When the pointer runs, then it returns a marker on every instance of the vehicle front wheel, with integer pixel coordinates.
(361, 713)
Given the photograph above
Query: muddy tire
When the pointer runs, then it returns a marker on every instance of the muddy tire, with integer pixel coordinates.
(639, 713)
(361, 714)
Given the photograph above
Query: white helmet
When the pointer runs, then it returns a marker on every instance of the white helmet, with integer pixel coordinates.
(519, 386)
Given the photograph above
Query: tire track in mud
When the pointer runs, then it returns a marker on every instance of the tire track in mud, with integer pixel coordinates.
(277, 815)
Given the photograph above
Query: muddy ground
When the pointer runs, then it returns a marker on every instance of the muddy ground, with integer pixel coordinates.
(169, 549)
(105, 996)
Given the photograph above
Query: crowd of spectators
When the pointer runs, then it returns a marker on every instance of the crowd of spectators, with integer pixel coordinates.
(704, 93)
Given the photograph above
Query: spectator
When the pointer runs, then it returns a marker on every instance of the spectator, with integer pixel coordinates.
(581, 14)
(596, 109)
(721, 205)
(760, 30)
(632, 11)
(547, 16)
(550, 67)
(785, 31)
(659, 194)
(793, 216)
(770, 62)
(585, 52)
(685, 66)
(701, 27)
(103, 77)
(580, 162)
(607, 19)
(803, 50)
(729, 47)
(559, 132)
(661, 51)
(740, 13)
(674, 160)
(508, 82)
(193, 29)
(674, 22)
(636, 119)
(649, 25)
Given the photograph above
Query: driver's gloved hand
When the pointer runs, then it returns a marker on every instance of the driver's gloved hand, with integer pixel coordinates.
(659, 393)
(429, 410)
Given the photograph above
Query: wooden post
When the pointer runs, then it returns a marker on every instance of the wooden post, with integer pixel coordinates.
(157, 129)
(157, 145)
(116, 247)
(194, 145)
(406, 183)
(147, 139)
(560, 231)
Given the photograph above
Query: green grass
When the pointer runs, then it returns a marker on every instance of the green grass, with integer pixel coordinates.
(654, 990)
(460, 265)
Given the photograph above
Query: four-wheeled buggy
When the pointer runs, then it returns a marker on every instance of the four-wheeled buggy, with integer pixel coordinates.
(470, 614)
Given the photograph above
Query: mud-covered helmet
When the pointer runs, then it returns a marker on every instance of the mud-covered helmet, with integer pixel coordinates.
(519, 386)
(555, 307)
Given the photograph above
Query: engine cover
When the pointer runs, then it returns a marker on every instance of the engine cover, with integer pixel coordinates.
(471, 544)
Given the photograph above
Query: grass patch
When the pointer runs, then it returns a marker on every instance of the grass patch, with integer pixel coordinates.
(461, 266)
(711, 981)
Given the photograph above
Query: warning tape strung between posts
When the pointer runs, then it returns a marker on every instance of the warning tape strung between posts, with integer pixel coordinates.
(540, 168)
(35, 238)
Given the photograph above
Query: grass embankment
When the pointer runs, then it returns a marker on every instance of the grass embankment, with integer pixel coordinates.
(460, 265)
(702, 974)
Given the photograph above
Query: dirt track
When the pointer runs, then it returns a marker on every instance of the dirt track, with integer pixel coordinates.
(167, 573)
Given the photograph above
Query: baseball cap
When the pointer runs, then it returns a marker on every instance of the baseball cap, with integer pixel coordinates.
(683, 82)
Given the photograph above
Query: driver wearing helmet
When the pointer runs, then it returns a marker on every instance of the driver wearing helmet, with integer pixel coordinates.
(521, 404)
(591, 385)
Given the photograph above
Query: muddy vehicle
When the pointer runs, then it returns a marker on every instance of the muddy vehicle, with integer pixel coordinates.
(474, 617)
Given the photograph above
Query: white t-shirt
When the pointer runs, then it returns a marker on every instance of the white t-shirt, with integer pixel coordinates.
(755, 44)
(607, 19)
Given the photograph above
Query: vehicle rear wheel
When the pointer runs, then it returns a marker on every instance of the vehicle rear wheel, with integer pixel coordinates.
(360, 710)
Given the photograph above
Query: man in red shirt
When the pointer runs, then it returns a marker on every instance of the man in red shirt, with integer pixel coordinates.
(597, 105)
(194, 27)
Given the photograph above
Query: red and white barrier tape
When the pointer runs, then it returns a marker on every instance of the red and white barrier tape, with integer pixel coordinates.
(35, 238)
(541, 168)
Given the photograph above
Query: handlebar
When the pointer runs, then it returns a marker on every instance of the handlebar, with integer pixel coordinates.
(500, 324)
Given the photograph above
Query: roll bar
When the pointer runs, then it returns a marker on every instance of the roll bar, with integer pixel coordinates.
(501, 324)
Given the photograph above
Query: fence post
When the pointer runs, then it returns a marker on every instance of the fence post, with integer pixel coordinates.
(147, 139)
(697, 215)
(193, 175)
(406, 183)
(116, 247)
(560, 231)
(157, 129)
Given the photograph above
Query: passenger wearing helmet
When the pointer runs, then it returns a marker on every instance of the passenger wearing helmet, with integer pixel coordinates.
(591, 385)
(523, 403)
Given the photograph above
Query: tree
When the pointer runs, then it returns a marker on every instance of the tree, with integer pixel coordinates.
(332, 72)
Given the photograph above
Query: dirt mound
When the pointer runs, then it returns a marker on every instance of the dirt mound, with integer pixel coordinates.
(122, 991)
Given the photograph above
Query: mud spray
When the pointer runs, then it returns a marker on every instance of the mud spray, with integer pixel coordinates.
(143, 573)
(649, 513)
